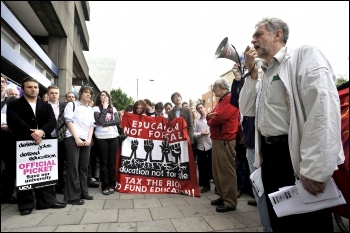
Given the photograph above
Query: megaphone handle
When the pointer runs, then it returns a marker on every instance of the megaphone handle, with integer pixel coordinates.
(239, 61)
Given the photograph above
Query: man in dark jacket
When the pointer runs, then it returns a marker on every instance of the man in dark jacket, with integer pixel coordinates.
(30, 118)
(179, 111)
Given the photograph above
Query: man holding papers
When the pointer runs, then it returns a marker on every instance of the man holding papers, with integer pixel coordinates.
(294, 98)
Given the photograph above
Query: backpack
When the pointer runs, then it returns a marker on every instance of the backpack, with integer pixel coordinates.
(62, 126)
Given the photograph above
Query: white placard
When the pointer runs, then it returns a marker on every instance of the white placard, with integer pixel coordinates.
(36, 164)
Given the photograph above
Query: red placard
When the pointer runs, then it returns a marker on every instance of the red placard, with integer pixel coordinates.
(341, 176)
(156, 157)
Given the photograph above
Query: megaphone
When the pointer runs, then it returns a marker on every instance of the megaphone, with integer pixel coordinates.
(225, 50)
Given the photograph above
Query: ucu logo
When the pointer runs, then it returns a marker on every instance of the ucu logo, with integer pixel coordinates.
(25, 187)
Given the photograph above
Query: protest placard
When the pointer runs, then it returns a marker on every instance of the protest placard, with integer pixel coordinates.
(36, 164)
(156, 157)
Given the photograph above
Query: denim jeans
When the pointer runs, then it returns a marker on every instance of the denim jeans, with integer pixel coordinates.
(261, 201)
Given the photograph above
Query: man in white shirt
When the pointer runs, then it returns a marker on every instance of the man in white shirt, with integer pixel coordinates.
(54, 92)
(298, 124)
(203, 151)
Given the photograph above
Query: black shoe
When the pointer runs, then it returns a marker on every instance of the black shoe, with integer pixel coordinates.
(76, 202)
(93, 185)
(205, 189)
(217, 202)
(26, 212)
(252, 203)
(87, 197)
(224, 208)
(57, 205)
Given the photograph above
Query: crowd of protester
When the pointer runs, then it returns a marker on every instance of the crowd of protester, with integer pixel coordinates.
(249, 128)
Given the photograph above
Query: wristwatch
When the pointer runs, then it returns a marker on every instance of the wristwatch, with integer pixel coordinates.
(43, 134)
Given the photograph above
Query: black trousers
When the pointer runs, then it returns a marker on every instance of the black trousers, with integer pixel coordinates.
(204, 167)
(43, 198)
(242, 170)
(61, 158)
(8, 156)
(276, 172)
(108, 154)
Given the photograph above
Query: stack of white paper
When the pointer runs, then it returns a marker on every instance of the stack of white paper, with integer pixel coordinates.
(296, 200)
(257, 184)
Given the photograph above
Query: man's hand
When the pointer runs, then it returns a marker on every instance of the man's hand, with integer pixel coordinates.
(249, 57)
(211, 114)
(37, 135)
(206, 132)
(311, 186)
(236, 72)
(4, 127)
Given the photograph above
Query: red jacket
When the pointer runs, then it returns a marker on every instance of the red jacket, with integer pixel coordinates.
(224, 124)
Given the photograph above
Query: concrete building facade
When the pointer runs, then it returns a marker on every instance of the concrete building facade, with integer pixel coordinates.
(46, 40)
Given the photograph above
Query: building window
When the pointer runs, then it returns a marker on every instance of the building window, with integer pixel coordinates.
(50, 77)
(26, 56)
(7, 39)
(40, 68)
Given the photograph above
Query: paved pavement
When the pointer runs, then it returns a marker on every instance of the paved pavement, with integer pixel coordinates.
(135, 213)
(121, 212)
